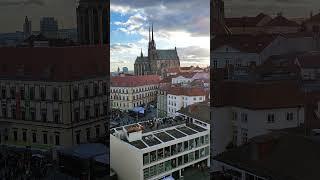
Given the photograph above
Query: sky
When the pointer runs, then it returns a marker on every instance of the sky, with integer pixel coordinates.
(184, 24)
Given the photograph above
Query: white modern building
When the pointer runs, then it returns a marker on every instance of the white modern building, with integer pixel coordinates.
(159, 148)
(178, 97)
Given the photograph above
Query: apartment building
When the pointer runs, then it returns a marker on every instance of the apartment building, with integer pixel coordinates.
(128, 92)
(178, 97)
(53, 97)
(159, 148)
(242, 110)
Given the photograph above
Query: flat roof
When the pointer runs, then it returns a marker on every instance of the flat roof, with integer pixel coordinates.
(164, 137)
(195, 127)
(159, 131)
(138, 144)
(187, 130)
(175, 133)
(150, 140)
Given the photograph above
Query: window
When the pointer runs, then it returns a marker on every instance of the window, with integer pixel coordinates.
(244, 117)
(270, 118)
(4, 111)
(173, 150)
(235, 116)
(13, 112)
(45, 138)
(12, 92)
(105, 89)
(55, 94)
(42, 93)
(15, 135)
(75, 93)
(86, 91)
(34, 137)
(185, 145)
(96, 110)
(87, 112)
(24, 136)
(194, 98)
(78, 138)
(215, 63)
(160, 153)
(22, 94)
(31, 93)
(153, 156)
(76, 115)
(244, 135)
(44, 115)
(167, 151)
(105, 108)
(32, 114)
(185, 158)
(97, 131)
(56, 115)
(146, 173)
(88, 134)
(145, 158)
(23, 114)
(289, 116)
(57, 140)
(3, 93)
(96, 89)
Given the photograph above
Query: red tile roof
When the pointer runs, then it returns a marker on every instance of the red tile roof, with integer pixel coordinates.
(258, 95)
(245, 42)
(54, 64)
(282, 21)
(134, 81)
(315, 18)
(244, 21)
(187, 91)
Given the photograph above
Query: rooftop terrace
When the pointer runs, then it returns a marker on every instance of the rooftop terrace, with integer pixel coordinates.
(157, 131)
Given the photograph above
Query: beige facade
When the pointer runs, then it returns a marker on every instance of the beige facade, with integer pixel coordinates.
(48, 114)
(126, 98)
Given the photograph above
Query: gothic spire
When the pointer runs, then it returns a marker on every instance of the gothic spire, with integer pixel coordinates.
(141, 53)
(149, 33)
(152, 31)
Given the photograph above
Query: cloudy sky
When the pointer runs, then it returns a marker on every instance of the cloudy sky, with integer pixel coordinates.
(13, 12)
(180, 23)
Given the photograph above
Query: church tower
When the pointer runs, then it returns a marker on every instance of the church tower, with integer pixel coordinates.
(152, 50)
(218, 11)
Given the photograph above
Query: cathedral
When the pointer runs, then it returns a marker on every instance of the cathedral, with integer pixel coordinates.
(158, 61)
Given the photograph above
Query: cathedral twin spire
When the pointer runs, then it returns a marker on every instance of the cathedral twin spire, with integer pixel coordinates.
(152, 44)
(152, 33)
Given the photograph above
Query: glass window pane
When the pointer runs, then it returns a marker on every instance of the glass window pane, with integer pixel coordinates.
(167, 151)
(160, 153)
(185, 159)
(153, 156)
(146, 158)
(173, 149)
(146, 173)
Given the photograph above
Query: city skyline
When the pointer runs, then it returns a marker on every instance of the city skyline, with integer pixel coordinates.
(17, 10)
(181, 24)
